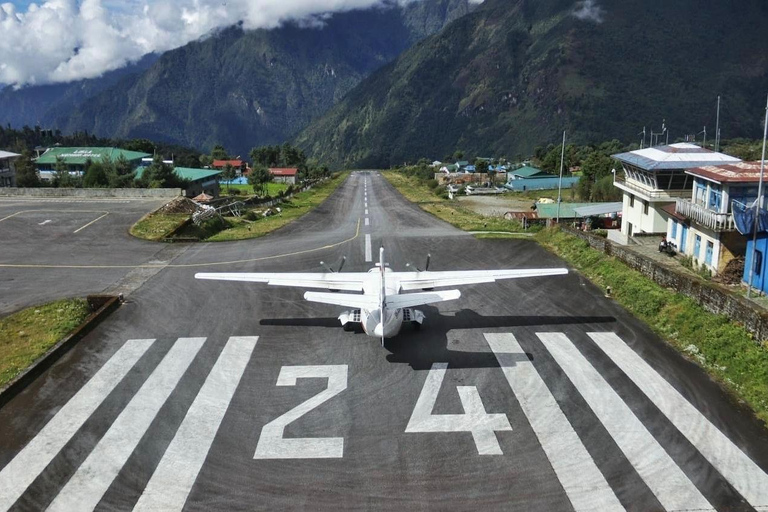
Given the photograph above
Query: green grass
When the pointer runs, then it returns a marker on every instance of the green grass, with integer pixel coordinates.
(155, 226)
(273, 189)
(449, 211)
(726, 350)
(28, 334)
(297, 206)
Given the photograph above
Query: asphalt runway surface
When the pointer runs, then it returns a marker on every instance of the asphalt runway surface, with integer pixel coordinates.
(531, 394)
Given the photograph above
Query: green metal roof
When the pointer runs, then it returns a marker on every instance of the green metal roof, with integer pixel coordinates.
(567, 210)
(78, 156)
(528, 172)
(187, 173)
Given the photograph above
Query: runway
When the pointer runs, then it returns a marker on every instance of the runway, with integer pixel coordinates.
(531, 394)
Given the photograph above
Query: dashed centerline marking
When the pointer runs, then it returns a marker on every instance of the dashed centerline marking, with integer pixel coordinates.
(367, 222)
(368, 252)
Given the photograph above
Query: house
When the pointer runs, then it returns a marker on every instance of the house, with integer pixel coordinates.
(437, 163)
(76, 159)
(470, 169)
(527, 172)
(449, 169)
(284, 175)
(239, 165)
(577, 211)
(462, 164)
(547, 182)
(703, 227)
(8, 169)
(654, 178)
(200, 180)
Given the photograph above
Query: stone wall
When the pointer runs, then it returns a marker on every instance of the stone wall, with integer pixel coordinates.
(710, 296)
(121, 193)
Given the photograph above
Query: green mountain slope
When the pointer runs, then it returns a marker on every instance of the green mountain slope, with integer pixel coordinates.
(249, 88)
(514, 73)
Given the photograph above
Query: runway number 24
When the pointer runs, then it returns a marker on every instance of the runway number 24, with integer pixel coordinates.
(482, 425)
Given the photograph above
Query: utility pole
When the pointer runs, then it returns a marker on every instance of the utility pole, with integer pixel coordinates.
(642, 142)
(758, 204)
(560, 182)
(717, 126)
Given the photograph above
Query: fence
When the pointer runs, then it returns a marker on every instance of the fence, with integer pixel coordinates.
(120, 193)
(710, 296)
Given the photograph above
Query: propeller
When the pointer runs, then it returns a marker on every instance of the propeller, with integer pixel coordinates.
(426, 267)
(330, 269)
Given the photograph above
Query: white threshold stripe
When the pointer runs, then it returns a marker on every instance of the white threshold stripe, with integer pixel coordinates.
(368, 251)
(732, 463)
(94, 476)
(38, 453)
(577, 472)
(173, 478)
(367, 221)
(92, 222)
(664, 478)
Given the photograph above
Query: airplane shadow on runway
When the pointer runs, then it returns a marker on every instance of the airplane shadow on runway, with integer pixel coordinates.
(421, 348)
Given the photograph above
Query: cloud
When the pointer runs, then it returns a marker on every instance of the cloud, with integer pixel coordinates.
(65, 40)
(588, 10)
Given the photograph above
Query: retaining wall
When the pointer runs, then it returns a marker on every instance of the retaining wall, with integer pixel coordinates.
(125, 193)
(710, 296)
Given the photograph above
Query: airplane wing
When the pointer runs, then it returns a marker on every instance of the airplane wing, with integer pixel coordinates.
(346, 300)
(422, 280)
(409, 300)
(347, 281)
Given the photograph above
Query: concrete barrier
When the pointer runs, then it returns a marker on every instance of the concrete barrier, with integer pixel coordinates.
(101, 305)
(710, 296)
(86, 193)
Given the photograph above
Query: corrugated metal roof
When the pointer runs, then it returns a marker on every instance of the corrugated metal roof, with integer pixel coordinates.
(567, 210)
(527, 172)
(675, 156)
(284, 171)
(599, 209)
(186, 173)
(6, 154)
(78, 156)
(740, 172)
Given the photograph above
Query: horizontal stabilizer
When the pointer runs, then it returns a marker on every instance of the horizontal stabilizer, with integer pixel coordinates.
(347, 300)
(409, 300)
(426, 280)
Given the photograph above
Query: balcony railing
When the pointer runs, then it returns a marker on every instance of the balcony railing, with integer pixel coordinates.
(704, 217)
(651, 193)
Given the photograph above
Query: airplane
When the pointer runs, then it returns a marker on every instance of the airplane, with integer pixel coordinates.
(381, 309)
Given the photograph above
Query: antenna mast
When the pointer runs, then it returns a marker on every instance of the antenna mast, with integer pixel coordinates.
(717, 126)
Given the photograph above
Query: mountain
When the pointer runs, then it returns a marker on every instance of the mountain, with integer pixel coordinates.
(514, 74)
(249, 88)
(42, 105)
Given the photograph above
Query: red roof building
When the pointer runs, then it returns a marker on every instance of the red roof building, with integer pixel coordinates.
(284, 174)
(220, 164)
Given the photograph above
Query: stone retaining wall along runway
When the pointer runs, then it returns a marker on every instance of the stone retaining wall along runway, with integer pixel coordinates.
(123, 193)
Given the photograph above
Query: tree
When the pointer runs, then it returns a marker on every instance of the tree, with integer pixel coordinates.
(161, 175)
(259, 178)
(96, 176)
(228, 174)
(458, 155)
(481, 166)
(61, 177)
(26, 174)
(219, 153)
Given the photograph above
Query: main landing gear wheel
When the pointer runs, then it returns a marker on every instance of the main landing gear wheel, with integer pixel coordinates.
(416, 325)
(347, 327)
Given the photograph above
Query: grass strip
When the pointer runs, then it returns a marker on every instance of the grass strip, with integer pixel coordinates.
(299, 205)
(29, 333)
(724, 349)
(155, 226)
(449, 211)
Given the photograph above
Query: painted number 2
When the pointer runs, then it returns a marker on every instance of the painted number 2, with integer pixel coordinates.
(272, 444)
(482, 425)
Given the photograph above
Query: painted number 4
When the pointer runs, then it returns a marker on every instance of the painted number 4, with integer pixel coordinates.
(482, 425)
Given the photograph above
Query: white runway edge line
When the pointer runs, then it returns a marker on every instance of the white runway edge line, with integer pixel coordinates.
(368, 252)
(582, 481)
(94, 476)
(733, 464)
(664, 478)
(173, 479)
(33, 459)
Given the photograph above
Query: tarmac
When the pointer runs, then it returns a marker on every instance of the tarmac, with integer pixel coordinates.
(532, 394)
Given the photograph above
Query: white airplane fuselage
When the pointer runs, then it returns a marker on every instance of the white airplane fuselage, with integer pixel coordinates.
(371, 320)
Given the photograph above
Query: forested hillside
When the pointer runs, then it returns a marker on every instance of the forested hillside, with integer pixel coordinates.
(515, 73)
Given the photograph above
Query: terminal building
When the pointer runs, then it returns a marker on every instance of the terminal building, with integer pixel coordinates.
(77, 159)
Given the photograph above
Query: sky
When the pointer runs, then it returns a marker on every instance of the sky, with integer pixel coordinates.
(52, 41)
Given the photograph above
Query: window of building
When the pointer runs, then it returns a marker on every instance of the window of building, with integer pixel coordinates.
(700, 194)
(715, 198)
(697, 246)
(645, 207)
(708, 255)
(758, 262)
(631, 201)
(674, 229)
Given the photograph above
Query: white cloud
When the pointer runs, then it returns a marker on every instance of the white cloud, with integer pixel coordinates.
(588, 10)
(64, 40)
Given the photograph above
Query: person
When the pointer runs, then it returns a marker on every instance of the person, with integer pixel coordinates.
(663, 245)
